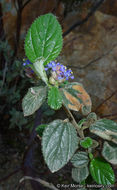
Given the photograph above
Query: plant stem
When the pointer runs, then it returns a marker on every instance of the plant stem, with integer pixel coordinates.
(80, 132)
(45, 183)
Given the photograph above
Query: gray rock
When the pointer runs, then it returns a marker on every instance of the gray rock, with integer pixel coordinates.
(91, 52)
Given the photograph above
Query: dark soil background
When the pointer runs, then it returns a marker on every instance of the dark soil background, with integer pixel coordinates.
(90, 49)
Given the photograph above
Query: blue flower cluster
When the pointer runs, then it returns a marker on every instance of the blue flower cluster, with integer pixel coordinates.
(27, 62)
(61, 71)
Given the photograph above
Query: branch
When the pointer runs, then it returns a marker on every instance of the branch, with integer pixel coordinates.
(109, 115)
(44, 183)
(11, 174)
(95, 60)
(93, 9)
(80, 132)
(25, 4)
(28, 157)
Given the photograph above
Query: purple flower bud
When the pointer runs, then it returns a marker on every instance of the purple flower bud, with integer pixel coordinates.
(72, 77)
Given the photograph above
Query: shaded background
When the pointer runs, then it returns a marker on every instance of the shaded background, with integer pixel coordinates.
(90, 49)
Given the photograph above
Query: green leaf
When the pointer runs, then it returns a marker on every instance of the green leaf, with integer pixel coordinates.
(54, 98)
(80, 174)
(102, 172)
(59, 142)
(40, 129)
(80, 159)
(94, 144)
(81, 122)
(40, 71)
(33, 100)
(91, 156)
(109, 152)
(76, 98)
(86, 143)
(92, 116)
(44, 39)
(105, 128)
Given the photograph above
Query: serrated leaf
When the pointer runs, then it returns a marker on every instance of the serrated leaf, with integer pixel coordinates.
(44, 39)
(40, 129)
(94, 144)
(81, 122)
(76, 98)
(105, 128)
(54, 98)
(109, 152)
(59, 142)
(80, 174)
(86, 142)
(33, 100)
(80, 159)
(92, 116)
(102, 172)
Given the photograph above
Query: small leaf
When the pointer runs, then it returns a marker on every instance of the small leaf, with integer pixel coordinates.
(92, 116)
(44, 39)
(80, 159)
(86, 143)
(93, 146)
(91, 156)
(39, 69)
(33, 100)
(105, 128)
(54, 98)
(59, 142)
(102, 172)
(76, 98)
(81, 122)
(80, 174)
(40, 129)
(109, 152)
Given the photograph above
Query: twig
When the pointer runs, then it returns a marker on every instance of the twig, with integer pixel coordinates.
(11, 174)
(96, 6)
(108, 98)
(4, 76)
(95, 60)
(109, 115)
(25, 4)
(80, 132)
(19, 7)
(44, 183)
(27, 164)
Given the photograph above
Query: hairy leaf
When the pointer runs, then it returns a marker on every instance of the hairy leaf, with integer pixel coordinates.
(44, 39)
(102, 172)
(40, 71)
(109, 152)
(80, 174)
(76, 98)
(33, 100)
(54, 98)
(105, 128)
(86, 142)
(59, 142)
(94, 145)
(40, 129)
(80, 159)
